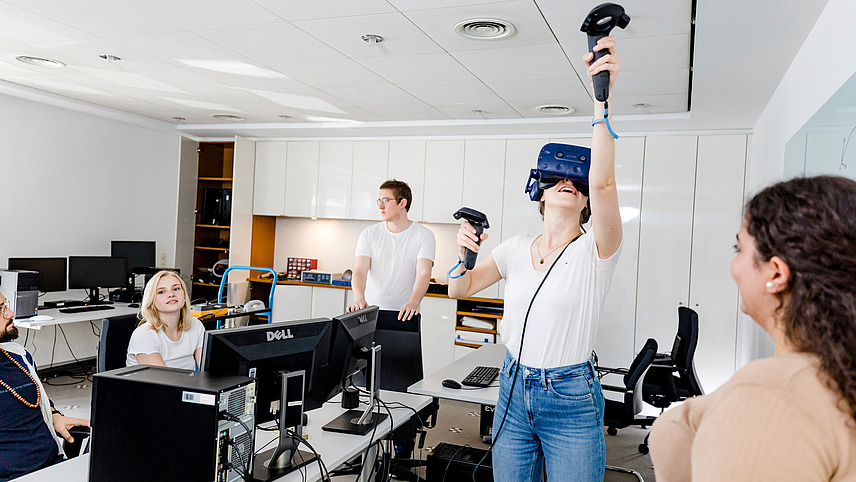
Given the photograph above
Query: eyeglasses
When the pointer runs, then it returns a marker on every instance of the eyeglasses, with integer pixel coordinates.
(385, 200)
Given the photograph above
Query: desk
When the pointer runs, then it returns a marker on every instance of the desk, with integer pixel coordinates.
(335, 448)
(119, 309)
(490, 355)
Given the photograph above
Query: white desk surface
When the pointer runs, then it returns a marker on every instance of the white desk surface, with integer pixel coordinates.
(489, 355)
(119, 309)
(335, 448)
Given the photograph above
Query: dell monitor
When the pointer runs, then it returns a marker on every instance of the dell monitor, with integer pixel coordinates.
(94, 272)
(140, 254)
(52, 271)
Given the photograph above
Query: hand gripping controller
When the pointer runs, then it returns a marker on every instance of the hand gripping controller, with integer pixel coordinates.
(477, 220)
(598, 23)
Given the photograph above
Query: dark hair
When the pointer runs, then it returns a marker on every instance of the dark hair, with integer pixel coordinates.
(810, 223)
(400, 190)
(585, 214)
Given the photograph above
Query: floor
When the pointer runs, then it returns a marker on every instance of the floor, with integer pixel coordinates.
(457, 423)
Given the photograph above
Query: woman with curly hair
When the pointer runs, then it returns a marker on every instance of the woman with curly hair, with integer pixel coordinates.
(792, 416)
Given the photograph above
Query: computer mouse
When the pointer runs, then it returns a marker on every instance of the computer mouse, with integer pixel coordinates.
(40, 318)
(134, 305)
(449, 383)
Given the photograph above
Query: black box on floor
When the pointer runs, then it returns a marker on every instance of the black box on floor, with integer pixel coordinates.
(157, 423)
(454, 462)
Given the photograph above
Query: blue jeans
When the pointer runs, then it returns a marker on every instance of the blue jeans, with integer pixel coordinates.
(555, 413)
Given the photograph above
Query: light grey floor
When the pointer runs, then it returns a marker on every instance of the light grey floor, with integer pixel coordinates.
(457, 423)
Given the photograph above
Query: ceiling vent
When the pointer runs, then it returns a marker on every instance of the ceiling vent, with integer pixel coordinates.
(40, 61)
(229, 117)
(556, 109)
(485, 29)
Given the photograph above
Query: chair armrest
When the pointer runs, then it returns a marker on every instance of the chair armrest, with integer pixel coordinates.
(613, 388)
(601, 371)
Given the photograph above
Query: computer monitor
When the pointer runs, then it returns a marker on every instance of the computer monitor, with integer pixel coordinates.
(139, 254)
(353, 335)
(53, 272)
(94, 272)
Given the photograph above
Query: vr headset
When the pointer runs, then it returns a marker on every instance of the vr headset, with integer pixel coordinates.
(557, 162)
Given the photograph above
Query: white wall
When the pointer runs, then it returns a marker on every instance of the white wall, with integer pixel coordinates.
(71, 182)
(824, 63)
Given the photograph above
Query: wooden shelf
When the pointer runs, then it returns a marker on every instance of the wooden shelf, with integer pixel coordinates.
(205, 284)
(470, 345)
(221, 179)
(211, 249)
(212, 226)
(478, 315)
(477, 330)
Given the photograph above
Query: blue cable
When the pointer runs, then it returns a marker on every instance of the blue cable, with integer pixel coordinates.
(460, 262)
(606, 118)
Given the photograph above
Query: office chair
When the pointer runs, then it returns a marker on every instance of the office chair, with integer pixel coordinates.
(622, 414)
(113, 344)
(672, 377)
(80, 435)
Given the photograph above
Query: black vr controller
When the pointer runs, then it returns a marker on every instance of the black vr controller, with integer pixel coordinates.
(478, 220)
(557, 162)
(598, 23)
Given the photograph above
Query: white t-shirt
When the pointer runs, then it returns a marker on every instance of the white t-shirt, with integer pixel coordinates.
(563, 322)
(393, 265)
(175, 354)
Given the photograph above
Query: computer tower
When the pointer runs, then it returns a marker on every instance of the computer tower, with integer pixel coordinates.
(156, 423)
(21, 288)
(456, 462)
(212, 206)
(225, 207)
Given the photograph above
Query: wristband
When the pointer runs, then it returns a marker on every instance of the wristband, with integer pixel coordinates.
(460, 262)
(55, 411)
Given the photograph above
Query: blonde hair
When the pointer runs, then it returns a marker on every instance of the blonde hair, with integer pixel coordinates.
(149, 313)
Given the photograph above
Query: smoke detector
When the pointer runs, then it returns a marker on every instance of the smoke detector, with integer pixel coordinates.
(485, 29)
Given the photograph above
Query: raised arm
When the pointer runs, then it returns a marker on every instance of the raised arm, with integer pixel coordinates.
(483, 275)
(603, 193)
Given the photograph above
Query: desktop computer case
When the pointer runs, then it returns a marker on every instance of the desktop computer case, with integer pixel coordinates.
(21, 288)
(156, 423)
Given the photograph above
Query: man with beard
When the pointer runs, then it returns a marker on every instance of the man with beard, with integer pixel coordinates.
(28, 421)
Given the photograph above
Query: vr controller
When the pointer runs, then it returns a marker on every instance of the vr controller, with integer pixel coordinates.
(478, 220)
(557, 162)
(598, 23)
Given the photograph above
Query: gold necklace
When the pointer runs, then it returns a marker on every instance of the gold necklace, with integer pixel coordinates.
(538, 247)
(30, 375)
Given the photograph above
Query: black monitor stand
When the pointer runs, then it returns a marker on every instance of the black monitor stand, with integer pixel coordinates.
(95, 298)
(285, 458)
(361, 422)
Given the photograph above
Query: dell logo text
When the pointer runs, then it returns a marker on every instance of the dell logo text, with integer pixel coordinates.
(363, 319)
(284, 334)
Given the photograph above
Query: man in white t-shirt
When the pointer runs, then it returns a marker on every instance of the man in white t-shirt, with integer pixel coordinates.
(393, 258)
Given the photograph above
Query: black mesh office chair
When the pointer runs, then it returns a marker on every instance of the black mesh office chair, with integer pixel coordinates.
(113, 344)
(672, 376)
(621, 414)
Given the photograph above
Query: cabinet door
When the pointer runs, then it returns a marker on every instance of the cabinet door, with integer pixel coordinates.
(334, 179)
(407, 163)
(327, 302)
(301, 179)
(292, 303)
(444, 180)
(370, 168)
(484, 168)
(614, 342)
(665, 237)
(713, 294)
(269, 182)
(438, 333)
(519, 213)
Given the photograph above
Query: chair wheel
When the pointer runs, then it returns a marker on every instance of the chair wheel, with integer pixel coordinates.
(643, 449)
(612, 431)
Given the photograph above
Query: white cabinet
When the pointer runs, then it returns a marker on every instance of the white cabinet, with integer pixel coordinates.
(301, 179)
(336, 159)
(369, 172)
(665, 236)
(327, 302)
(438, 333)
(292, 303)
(269, 178)
(407, 163)
(444, 180)
(713, 294)
(519, 213)
(484, 167)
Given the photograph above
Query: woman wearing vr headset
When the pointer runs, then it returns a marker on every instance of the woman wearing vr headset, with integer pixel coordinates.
(550, 403)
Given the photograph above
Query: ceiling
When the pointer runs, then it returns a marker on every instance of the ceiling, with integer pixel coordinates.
(300, 68)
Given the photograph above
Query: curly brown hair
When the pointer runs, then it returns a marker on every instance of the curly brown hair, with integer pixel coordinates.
(811, 224)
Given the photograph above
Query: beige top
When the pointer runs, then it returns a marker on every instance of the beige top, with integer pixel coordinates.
(774, 420)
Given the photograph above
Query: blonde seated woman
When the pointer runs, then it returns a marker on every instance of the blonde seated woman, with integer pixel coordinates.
(167, 335)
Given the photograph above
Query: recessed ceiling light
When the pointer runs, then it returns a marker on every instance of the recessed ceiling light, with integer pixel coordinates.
(372, 38)
(40, 61)
(229, 117)
(178, 118)
(284, 116)
(110, 58)
(641, 105)
(485, 29)
(556, 109)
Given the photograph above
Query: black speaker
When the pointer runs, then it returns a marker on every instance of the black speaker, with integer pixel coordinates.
(212, 206)
(225, 217)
